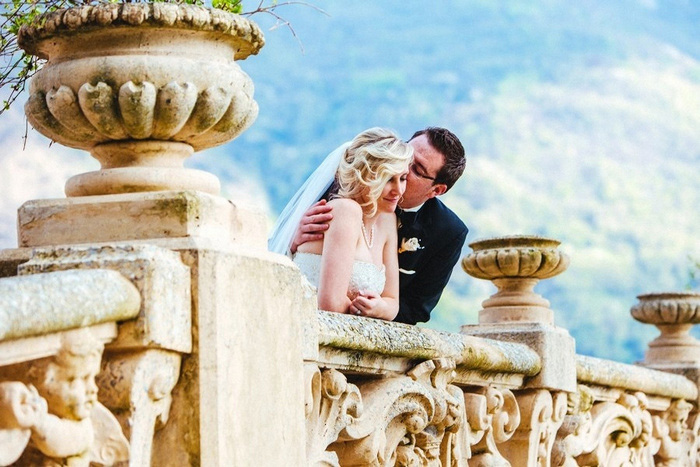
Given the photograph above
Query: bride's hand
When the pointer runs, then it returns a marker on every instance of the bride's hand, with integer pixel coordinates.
(367, 304)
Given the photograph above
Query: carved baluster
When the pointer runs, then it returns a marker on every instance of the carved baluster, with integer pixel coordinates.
(445, 440)
(677, 441)
(574, 435)
(542, 414)
(332, 404)
(493, 416)
(137, 387)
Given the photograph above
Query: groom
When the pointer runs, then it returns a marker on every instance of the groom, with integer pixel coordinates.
(431, 236)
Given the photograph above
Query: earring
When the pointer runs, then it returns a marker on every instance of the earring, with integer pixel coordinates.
(401, 200)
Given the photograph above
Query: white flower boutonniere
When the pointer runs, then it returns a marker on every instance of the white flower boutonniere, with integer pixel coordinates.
(410, 244)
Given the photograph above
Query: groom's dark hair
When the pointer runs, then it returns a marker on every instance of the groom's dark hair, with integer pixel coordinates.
(451, 149)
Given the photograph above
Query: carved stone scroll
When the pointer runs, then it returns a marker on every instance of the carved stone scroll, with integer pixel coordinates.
(137, 387)
(493, 416)
(574, 435)
(612, 434)
(394, 409)
(331, 405)
(542, 414)
(417, 419)
(445, 440)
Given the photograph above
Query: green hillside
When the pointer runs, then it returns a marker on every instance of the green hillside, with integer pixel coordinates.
(580, 122)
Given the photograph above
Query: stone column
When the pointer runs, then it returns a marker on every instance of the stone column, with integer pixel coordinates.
(516, 313)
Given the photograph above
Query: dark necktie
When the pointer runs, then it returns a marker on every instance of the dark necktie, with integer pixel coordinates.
(407, 218)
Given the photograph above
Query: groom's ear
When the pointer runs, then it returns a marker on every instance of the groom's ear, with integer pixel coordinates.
(438, 189)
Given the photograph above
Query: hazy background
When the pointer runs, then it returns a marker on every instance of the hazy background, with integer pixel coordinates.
(581, 121)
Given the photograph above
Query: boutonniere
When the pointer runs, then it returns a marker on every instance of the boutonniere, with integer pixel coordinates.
(410, 244)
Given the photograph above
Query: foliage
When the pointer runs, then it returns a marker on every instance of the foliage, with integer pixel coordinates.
(693, 273)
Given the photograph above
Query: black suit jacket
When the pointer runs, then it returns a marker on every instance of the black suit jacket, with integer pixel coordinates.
(424, 272)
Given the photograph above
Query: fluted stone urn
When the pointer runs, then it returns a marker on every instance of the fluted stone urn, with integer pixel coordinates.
(674, 314)
(515, 265)
(141, 86)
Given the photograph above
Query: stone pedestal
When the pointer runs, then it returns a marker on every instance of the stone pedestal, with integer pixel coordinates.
(240, 382)
(169, 217)
(515, 313)
(674, 350)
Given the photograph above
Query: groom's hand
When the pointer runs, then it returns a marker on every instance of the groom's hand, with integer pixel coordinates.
(312, 225)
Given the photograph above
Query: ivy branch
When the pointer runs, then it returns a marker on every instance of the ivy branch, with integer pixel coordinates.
(270, 10)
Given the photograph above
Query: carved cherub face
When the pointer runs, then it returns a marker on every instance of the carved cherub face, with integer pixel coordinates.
(69, 386)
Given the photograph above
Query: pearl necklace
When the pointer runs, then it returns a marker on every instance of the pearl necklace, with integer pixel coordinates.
(369, 239)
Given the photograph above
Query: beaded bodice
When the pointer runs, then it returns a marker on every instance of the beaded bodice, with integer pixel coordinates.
(365, 276)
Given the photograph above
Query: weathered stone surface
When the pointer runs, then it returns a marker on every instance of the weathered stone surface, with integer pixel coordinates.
(241, 400)
(385, 339)
(591, 370)
(164, 320)
(140, 216)
(243, 32)
(137, 387)
(10, 259)
(555, 347)
(55, 301)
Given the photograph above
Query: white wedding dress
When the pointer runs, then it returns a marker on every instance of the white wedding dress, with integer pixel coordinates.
(366, 277)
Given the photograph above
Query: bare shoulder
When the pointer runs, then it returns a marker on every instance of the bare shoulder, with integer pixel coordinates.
(344, 208)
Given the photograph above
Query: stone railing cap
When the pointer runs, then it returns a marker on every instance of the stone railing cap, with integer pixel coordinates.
(609, 373)
(403, 340)
(56, 301)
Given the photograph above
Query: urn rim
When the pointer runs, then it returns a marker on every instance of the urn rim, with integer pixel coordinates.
(677, 295)
(245, 33)
(514, 241)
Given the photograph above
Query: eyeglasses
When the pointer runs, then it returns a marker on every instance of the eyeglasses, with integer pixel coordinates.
(419, 172)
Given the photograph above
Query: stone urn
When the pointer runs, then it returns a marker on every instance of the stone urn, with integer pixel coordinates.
(515, 264)
(674, 313)
(141, 86)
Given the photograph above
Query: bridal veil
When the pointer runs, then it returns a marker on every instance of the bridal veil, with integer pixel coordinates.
(310, 192)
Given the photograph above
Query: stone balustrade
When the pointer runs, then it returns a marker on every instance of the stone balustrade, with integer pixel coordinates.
(390, 394)
(73, 320)
(173, 342)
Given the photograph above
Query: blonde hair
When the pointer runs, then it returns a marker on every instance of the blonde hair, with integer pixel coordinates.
(373, 157)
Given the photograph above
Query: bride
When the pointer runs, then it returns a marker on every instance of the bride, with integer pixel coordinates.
(355, 265)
